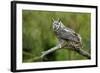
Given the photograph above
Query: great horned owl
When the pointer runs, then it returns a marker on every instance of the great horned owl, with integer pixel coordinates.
(66, 36)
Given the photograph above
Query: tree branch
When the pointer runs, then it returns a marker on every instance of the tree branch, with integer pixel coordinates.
(78, 50)
(47, 52)
(50, 50)
(83, 53)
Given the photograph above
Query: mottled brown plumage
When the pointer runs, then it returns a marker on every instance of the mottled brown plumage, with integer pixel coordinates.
(65, 34)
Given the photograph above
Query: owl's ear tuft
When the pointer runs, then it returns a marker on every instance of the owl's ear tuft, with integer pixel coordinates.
(52, 19)
(59, 19)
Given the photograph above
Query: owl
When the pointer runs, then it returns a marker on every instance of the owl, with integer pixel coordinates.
(66, 36)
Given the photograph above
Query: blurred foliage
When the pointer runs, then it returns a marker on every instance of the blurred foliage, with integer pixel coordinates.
(38, 34)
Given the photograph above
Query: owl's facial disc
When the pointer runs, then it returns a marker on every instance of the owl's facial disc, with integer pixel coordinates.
(56, 25)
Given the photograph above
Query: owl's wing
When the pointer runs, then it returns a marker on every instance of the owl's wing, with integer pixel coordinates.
(70, 35)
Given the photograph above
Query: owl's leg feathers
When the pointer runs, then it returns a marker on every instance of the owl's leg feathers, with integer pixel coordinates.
(72, 44)
(61, 43)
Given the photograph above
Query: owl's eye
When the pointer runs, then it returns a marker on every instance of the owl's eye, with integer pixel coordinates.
(57, 23)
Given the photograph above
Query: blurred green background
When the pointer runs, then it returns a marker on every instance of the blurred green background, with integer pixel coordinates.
(38, 34)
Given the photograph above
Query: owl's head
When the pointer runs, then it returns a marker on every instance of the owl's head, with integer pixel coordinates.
(56, 24)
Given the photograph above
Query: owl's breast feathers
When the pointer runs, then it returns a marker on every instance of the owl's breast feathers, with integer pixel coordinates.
(67, 34)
